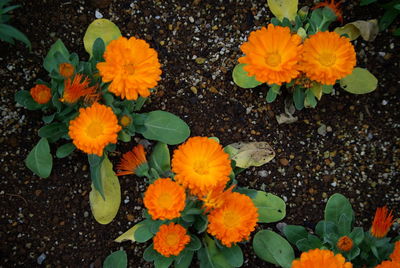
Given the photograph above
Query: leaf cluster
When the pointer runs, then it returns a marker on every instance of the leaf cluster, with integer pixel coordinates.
(392, 11)
(9, 33)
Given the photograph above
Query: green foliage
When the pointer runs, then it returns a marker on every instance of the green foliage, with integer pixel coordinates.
(117, 259)
(57, 54)
(9, 33)
(65, 150)
(242, 79)
(392, 11)
(360, 81)
(95, 165)
(271, 208)
(160, 159)
(39, 160)
(337, 206)
(24, 98)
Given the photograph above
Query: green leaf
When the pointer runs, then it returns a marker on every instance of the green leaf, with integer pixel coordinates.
(39, 160)
(311, 242)
(65, 150)
(298, 98)
(95, 163)
(117, 259)
(98, 49)
(123, 136)
(233, 255)
(184, 259)
(344, 225)
(165, 127)
(24, 98)
(150, 254)
(194, 244)
(284, 8)
(248, 154)
(47, 119)
(211, 256)
(160, 158)
(53, 131)
(163, 262)
(15, 33)
(336, 206)
(354, 252)
(49, 61)
(325, 228)
(357, 235)
(242, 79)
(388, 17)
(273, 248)
(310, 100)
(360, 81)
(327, 89)
(100, 28)
(271, 95)
(271, 208)
(367, 2)
(295, 233)
(143, 233)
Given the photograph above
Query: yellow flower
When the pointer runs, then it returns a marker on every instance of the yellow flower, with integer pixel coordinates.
(389, 264)
(395, 256)
(200, 164)
(345, 243)
(77, 88)
(131, 66)
(382, 222)
(164, 199)
(327, 57)
(66, 70)
(132, 160)
(171, 239)
(272, 55)
(41, 94)
(94, 128)
(234, 220)
(319, 258)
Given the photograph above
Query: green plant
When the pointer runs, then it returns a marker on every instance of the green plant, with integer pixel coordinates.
(392, 11)
(7, 32)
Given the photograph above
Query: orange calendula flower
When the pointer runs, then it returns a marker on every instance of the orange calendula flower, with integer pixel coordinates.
(345, 243)
(94, 128)
(327, 57)
(77, 88)
(333, 6)
(395, 256)
(388, 264)
(164, 199)
(317, 258)
(200, 164)
(234, 220)
(41, 94)
(125, 120)
(66, 69)
(171, 239)
(132, 160)
(272, 54)
(131, 66)
(382, 222)
(216, 197)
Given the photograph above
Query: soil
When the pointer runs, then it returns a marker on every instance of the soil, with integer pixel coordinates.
(359, 156)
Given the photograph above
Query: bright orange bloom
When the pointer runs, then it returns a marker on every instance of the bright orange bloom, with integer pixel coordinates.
(66, 69)
(382, 222)
(272, 55)
(94, 128)
(345, 243)
(318, 258)
(327, 57)
(388, 264)
(395, 256)
(170, 239)
(200, 164)
(333, 6)
(234, 220)
(164, 199)
(131, 160)
(131, 66)
(76, 88)
(41, 93)
(216, 197)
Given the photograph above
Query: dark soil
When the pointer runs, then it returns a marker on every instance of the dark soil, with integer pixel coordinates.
(359, 156)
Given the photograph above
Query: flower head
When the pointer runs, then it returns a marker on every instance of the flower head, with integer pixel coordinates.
(66, 69)
(171, 239)
(317, 258)
(388, 264)
(77, 88)
(132, 160)
(234, 220)
(131, 66)
(125, 120)
(395, 256)
(327, 57)
(200, 164)
(94, 128)
(345, 243)
(41, 93)
(382, 222)
(272, 54)
(216, 197)
(333, 6)
(164, 199)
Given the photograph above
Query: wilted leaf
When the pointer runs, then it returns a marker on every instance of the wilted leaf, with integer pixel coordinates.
(100, 28)
(367, 29)
(284, 118)
(242, 79)
(284, 8)
(104, 210)
(129, 235)
(317, 91)
(360, 81)
(248, 154)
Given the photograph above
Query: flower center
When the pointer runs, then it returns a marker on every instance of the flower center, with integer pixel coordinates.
(201, 168)
(43, 95)
(345, 243)
(165, 200)
(125, 120)
(94, 129)
(172, 239)
(327, 59)
(273, 59)
(231, 219)
(129, 69)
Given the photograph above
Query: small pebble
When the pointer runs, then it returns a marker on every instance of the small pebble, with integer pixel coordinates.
(97, 14)
(41, 258)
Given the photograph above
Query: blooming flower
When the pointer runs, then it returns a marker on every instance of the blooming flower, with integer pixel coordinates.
(382, 222)
(317, 258)
(234, 220)
(327, 57)
(395, 256)
(272, 54)
(132, 160)
(77, 88)
(216, 197)
(170, 239)
(164, 199)
(41, 93)
(94, 128)
(66, 69)
(333, 6)
(131, 66)
(200, 164)
(345, 243)
(388, 264)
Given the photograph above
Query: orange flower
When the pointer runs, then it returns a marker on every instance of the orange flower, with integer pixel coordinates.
(75, 89)
(125, 120)
(333, 6)
(345, 243)
(94, 128)
(41, 94)
(317, 258)
(395, 256)
(66, 69)
(327, 57)
(382, 222)
(132, 66)
(132, 160)
(234, 220)
(216, 197)
(164, 199)
(272, 54)
(200, 164)
(388, 264)
(170, 239)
